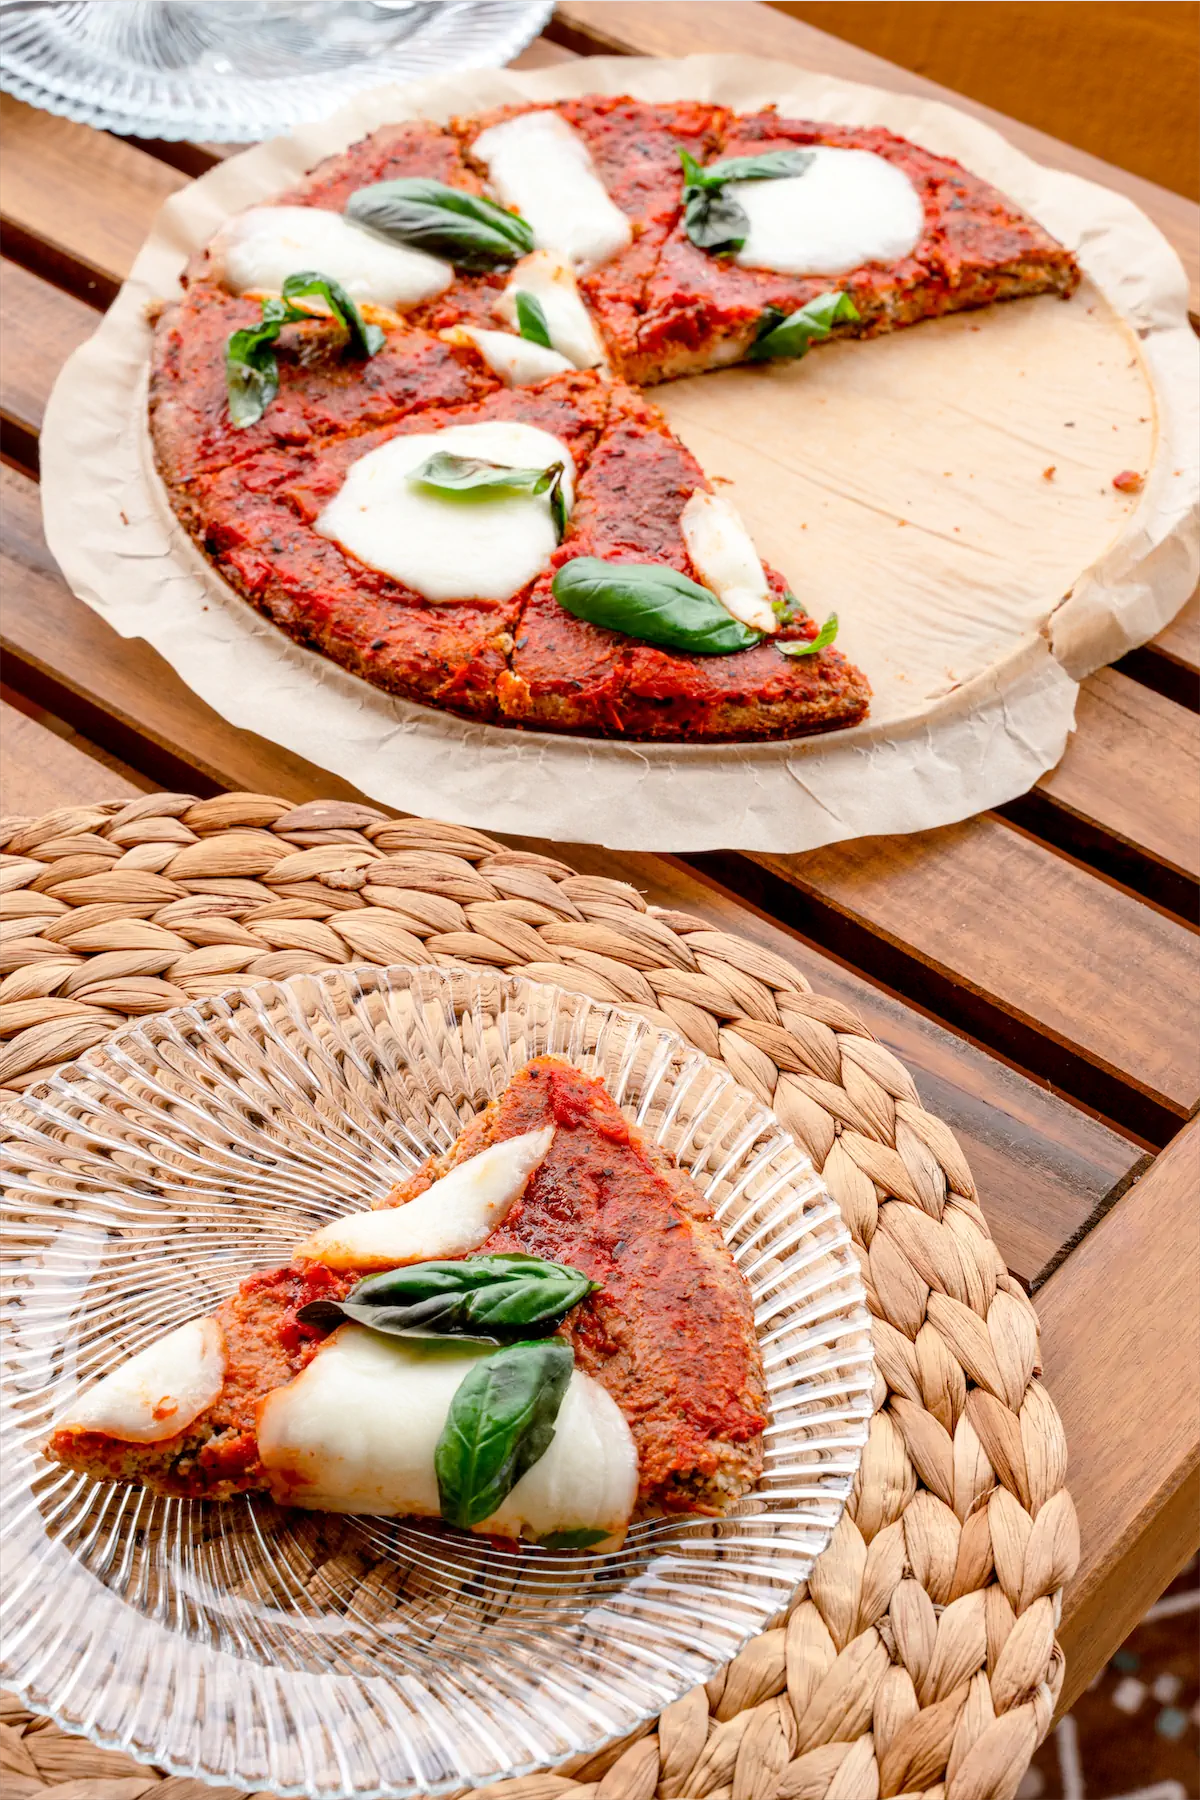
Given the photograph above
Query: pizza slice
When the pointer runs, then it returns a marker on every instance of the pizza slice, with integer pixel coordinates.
(644, 508)
(794, 215)
(541, 1334)
(412, 584)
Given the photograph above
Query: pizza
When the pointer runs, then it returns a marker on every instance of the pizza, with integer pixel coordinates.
(539, 1335)
(400, 407)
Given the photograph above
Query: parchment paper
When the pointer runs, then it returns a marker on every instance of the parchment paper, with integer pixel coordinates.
(948, 490)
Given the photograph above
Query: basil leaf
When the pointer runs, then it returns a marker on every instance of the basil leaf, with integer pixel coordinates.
(501, 1421)
(714, 220)
(826, 635)
(251, 372)
(474, 475)
(791, 335)
(466, 229)
(485, 1297)
(770, 166)
(583, 1539)
(653, 602)
(531, 320)
(361, 340)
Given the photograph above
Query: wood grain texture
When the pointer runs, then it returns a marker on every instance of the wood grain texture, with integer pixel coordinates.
(1045, 1166)
(1023, 939)
(1120, 1323)
(75, 201)
(41, 769)
(676, 27)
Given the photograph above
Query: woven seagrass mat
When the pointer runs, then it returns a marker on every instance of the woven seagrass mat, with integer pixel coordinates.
(920, 1659)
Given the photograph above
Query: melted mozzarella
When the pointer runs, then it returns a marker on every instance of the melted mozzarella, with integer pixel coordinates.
(540, 166)
(551, 281)
(356, 1432)
(259, 249)
(726, 560)
(158, 1392)
(848, 208)
(517, 360)
(482, 547)
(451, 1218)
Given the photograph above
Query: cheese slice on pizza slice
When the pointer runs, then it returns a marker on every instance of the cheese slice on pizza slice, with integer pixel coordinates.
(659, 1401)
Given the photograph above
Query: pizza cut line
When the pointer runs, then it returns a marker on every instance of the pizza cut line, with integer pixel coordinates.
(399, 408)
(540, 1335)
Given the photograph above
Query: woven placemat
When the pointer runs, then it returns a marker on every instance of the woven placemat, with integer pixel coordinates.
(920, 1659)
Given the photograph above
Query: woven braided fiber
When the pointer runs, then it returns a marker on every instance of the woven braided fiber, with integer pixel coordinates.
(920, 1659)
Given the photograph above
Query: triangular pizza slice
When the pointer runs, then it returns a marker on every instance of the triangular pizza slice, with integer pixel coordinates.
(540, 1334)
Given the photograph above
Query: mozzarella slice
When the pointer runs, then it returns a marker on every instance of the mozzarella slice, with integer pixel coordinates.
(259, 249)
(517, 360)
(481, 547)
(726, 560)
(157, 1393)
(357, 1430)
(848, 208)
(540, 166)
(451, 1218)
(551, 281)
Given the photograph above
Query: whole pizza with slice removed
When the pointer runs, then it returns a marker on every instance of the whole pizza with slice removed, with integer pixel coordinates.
(398, 408)
(540, 1335)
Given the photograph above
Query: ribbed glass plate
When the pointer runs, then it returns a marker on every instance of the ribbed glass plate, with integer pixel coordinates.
(239, 69)
(322, 1655)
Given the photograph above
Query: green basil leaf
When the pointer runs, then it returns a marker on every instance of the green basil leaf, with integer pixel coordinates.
(531, 320)
(501, 1421)
(714, 220)
(650, 601)
(826, 635)
(361, 339)
(583, 1539)
(251, 372)
(770, 166)
(475, 476)
(466, 229)
(485, 1297)
(791, 335)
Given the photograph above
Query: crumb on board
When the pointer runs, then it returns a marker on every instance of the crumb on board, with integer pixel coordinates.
(1129, 482)
(1049, 474)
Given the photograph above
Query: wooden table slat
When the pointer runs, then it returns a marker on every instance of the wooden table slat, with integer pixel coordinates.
(1025, 948)
(1045, 1166)
(1119, 1323)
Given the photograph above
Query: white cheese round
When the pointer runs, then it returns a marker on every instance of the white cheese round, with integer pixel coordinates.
(848, 208)
(157, 1393)
(259, 249)
(726, 561)
(451, 1218)
(516, 360)
(357, 1430)
(540, 166)
(473, 547)
(550, 279)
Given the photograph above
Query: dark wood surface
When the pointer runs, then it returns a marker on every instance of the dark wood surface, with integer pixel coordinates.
(1035, 967)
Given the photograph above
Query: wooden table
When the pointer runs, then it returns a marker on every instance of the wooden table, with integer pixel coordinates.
(1035, 967)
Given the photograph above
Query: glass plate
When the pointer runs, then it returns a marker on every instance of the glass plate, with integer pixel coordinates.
(239, 69)
(322, 1655)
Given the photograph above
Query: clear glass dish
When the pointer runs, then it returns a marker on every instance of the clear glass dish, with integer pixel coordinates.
(233, 70)
(322, 1655)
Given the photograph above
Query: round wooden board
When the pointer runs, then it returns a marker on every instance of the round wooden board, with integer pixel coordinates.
(920, 1659)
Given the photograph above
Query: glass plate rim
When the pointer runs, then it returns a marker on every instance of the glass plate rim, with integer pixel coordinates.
(858, 1383)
